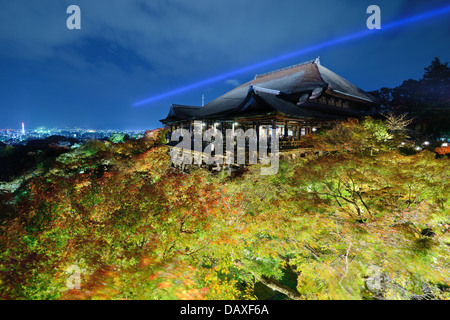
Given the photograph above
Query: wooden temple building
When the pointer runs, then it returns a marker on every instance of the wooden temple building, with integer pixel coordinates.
(297, 100)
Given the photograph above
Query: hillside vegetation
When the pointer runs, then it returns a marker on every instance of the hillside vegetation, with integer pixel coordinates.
(366, 220)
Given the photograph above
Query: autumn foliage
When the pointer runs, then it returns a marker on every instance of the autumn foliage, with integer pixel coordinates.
(443, 150)
(138, 229)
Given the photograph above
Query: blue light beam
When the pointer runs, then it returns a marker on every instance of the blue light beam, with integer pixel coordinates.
(360, 34)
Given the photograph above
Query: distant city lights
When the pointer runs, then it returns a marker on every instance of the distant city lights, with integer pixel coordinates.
(20, 136)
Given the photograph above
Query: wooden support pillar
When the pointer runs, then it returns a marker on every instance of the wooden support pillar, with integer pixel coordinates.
(257, 131)
(274, 131)
(285, 129)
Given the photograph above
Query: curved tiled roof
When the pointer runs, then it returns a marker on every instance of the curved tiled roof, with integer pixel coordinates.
(342, 86)
(291, 82)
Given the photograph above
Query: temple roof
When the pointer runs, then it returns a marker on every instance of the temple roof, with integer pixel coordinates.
(182, 112)
(287, 91)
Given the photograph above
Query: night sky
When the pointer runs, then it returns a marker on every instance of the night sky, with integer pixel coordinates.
(128, 51)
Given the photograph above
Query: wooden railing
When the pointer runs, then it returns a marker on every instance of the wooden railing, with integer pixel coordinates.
(283, 144)
(290, 144)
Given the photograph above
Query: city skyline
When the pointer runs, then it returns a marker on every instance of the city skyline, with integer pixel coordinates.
(20, 136)
(124, 53)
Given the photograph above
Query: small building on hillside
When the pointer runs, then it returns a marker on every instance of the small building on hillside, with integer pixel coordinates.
(297, 100)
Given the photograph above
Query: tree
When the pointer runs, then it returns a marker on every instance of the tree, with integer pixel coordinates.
(436, 81)
(369, 135)
(426, 99)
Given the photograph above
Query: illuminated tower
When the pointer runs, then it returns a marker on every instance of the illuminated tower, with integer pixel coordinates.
(23, 128)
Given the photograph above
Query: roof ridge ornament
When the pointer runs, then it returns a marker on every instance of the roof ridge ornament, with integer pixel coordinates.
(317, 60)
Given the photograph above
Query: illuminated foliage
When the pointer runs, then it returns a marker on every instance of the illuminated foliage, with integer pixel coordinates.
(316, 230)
